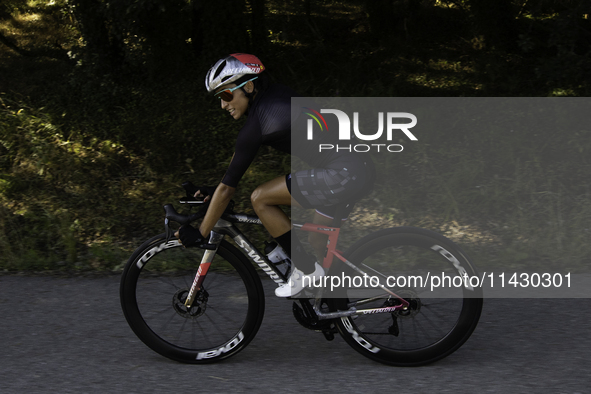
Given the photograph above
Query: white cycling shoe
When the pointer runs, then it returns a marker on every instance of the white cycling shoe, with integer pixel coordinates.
(295, 282)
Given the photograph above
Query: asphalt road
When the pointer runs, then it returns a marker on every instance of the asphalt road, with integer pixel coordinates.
(68, 335)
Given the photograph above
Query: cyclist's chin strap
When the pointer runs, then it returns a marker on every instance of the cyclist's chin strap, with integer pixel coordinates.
(250, 96)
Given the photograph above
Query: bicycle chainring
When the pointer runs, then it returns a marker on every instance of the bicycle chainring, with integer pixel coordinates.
(307, 318)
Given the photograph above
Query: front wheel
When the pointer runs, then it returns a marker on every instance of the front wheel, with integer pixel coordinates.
(225, 316)
(430, 328)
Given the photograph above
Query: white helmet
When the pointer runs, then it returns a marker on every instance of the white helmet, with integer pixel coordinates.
(232, 68)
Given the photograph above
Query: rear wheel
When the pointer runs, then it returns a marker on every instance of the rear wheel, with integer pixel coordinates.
(224, 318)
(434, 325)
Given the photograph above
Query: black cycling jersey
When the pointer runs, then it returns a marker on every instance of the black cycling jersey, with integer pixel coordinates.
(269, 122)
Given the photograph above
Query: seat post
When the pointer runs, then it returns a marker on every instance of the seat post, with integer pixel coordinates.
(339, 215)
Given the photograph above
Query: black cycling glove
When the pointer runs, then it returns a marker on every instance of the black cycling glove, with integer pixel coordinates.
(190, 236)
(206, 190)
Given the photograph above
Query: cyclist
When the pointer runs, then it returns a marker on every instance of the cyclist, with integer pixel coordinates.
(244, 89)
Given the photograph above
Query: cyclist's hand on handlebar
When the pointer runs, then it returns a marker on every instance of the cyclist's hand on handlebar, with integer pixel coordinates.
(190, 236)
(199, 191)
(205, 191)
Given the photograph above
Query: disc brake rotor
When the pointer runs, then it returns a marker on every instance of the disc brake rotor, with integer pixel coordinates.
(197, 309)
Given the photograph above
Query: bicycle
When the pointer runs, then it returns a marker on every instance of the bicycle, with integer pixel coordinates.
(198, 305)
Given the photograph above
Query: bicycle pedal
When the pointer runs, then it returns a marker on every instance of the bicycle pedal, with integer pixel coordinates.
(329, 335)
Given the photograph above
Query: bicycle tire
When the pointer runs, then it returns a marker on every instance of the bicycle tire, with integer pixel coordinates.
(432, 328)
(225, 316)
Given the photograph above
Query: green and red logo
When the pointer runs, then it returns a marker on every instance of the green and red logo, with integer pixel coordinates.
(315, 115)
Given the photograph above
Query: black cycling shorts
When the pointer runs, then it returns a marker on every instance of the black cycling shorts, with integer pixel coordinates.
(325, 189)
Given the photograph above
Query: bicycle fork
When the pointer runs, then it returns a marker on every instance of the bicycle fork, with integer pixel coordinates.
(208, 256)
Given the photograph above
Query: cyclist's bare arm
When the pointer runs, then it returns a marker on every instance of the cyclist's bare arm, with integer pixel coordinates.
(220, 200)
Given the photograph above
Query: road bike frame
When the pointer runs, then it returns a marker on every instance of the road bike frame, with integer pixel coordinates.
(225, 226)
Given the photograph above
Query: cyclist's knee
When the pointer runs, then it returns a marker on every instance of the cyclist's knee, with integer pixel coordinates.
(270, 194)
(256, 198)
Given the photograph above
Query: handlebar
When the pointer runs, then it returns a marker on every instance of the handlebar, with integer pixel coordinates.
(172, 214)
